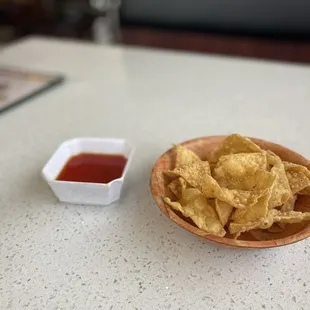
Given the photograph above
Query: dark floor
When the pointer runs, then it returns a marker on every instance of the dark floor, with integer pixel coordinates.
(236, 45)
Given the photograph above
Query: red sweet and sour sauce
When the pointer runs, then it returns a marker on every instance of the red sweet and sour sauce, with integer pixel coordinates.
(93, 168)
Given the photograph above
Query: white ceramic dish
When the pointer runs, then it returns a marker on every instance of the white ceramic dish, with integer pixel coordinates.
(82, 192)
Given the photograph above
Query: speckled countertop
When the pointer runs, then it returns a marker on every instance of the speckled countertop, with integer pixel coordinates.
(129, 255)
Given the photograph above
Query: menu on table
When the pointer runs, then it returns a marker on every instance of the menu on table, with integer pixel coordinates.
(18, 85)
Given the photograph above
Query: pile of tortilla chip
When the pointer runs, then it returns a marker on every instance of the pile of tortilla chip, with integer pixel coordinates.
(240, 188)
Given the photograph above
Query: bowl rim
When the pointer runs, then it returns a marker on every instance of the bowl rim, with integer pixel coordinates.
(301, 235)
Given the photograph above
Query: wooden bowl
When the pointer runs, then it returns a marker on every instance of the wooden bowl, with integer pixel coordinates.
(256, 239)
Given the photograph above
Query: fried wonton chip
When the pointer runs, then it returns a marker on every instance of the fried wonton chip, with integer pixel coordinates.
(279, 217)
(281, 190)
(198, 175)
(283, 218)
(184, 156)
(239, 171)
(289, 205)
(237, 229)
(196, 206)
(253, 213)
(235, 197)
(263, 223)
(177, 187)
(223, 210)
(234, 144)
(273, 216)
(298, 176)
(194, 173)
(272, 158)
(290, 217)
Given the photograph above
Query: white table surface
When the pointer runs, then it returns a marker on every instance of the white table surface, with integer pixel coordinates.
(129, 255)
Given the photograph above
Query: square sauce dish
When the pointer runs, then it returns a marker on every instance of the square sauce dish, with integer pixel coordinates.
(89, 170)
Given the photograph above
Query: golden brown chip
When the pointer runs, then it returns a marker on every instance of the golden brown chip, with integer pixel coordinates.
(272, 158)
(196, 207)
(253, 213)
(298, 176)
(237, 229)
(290, 217)
(268, 221)
(235, 197)
(234, 144)
(281, 190)
(264, 180)
(177, 187)
(194, 173)
(184, 156)
(283, 218)
(290, 204)
(273, 216)
(223, 210)
(197, 174)
(239, 171)
(276, 216)
(189, 195)
(263, 223)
